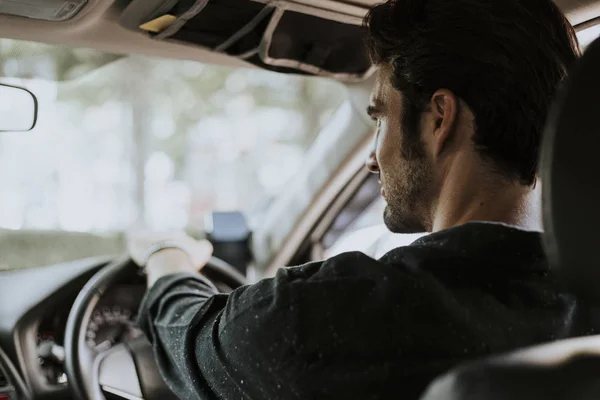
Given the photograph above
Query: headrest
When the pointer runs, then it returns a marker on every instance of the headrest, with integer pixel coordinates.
(570, 176)
(563, 370)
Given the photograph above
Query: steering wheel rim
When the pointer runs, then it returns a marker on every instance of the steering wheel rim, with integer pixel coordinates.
(82, 362)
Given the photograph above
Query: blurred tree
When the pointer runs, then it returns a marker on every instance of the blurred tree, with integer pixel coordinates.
(152, 106)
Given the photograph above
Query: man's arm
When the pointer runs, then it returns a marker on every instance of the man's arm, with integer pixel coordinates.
(176, 310)
(343, 326)
(210, 345)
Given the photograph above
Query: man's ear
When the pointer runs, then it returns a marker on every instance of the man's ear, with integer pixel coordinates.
(444, 112)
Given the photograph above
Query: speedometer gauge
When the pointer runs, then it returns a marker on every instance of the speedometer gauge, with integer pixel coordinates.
(109, 326)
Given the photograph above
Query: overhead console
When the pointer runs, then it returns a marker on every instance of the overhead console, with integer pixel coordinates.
(46, 10)
(280, 36)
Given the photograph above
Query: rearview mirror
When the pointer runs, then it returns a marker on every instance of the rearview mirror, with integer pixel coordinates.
(18, 109)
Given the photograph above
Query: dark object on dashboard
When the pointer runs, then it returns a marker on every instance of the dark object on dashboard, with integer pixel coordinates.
(47, 10)
(230, 236)
(271, 35)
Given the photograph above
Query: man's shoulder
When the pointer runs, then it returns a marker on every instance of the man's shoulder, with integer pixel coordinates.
(357, 265)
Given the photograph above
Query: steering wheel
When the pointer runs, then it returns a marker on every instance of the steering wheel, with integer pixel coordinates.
(126, 370)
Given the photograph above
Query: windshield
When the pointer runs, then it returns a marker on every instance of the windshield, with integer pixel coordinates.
(150, 141)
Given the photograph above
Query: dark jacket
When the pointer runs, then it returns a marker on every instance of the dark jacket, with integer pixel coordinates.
(352, 327)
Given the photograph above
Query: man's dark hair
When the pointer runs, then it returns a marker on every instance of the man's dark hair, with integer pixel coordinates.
(504, 58)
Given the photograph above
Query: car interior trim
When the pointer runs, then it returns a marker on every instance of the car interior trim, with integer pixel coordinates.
(336, 7)
(12, 376)
(588, 24)
(322, 201)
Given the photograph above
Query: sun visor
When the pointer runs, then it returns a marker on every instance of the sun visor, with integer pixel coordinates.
(279, 36)
(47, 10)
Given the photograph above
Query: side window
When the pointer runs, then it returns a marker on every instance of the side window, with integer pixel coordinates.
(359, 226)
(587, 36)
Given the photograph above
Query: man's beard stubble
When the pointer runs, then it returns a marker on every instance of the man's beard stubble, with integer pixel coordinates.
(408, 196)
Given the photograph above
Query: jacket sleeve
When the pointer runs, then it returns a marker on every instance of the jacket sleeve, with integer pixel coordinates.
(306, 333)
(210, 345)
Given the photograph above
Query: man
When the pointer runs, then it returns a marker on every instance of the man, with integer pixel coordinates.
(463, 91)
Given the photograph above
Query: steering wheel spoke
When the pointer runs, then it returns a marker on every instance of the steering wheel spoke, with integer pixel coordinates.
(117, 373)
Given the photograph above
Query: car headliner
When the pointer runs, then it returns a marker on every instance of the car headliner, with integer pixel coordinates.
(96, 26)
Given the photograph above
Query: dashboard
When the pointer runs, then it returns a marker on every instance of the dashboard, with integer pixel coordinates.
(34, 308)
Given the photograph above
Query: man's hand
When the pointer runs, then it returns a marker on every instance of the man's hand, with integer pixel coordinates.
(192, 257)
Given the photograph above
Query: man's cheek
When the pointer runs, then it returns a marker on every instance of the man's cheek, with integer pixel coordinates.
(384, 156)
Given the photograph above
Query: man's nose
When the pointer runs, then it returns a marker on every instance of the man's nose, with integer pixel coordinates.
(371, 162)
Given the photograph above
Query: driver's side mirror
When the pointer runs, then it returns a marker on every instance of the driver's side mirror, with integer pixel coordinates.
(18, 109)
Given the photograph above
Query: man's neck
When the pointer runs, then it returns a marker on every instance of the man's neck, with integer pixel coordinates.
(472, 197)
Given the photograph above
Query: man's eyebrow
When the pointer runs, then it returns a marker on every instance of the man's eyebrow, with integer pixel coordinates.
(372, 110)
